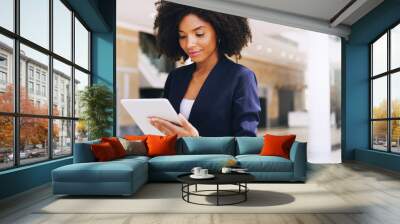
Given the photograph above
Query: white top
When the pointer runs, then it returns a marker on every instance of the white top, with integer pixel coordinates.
(186, 107)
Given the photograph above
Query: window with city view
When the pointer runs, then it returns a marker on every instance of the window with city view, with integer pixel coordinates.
(385, 92)
(44, 65)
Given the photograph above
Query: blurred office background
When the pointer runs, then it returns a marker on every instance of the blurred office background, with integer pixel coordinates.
(298, 73)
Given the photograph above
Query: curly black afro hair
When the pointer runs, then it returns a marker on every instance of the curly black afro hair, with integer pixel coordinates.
(233, 32)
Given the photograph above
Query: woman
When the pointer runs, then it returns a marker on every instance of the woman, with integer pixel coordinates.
(214, 96)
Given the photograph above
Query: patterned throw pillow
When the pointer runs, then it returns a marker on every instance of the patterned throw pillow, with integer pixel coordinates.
(134, 147)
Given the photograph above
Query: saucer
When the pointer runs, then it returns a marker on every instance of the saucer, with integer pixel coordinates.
(208, 176)
(240, 171)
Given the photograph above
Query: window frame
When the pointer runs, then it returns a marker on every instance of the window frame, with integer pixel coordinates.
(388, 74)
(16, 114)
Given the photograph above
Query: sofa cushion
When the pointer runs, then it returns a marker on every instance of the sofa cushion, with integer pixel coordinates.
(185, 163)
(111, 171)
(132, 158)
(207, 145)
(257, 163)
(249, 145)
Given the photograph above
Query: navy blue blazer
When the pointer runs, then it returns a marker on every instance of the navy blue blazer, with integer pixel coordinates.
(227, 104)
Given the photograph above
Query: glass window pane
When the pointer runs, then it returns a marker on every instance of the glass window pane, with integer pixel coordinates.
(62, 89)
(62, 138)
(35, 21)
(33, 140)
(34, 72)
(7, 14)
(81, 81)
(395, 47)
(379, 98)
(62, 29)
(6, 74)
(6, 142)
(379, 55)
(395, 94)
(379, 135)
(81, 131)
(395, 129)
(81, 45)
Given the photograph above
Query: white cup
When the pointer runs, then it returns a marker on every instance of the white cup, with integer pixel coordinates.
(226, 170)
(203, 172)
(196, 170)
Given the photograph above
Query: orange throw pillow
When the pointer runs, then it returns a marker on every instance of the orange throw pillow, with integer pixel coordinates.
(277, 145)
(135, 137)
(116, 145)
(161, 145)
(103, 152)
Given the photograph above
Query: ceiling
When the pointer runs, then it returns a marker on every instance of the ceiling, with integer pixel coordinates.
(325, 16)
(318, 9)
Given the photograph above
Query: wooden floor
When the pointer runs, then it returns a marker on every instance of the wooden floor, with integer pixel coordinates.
(378, 188)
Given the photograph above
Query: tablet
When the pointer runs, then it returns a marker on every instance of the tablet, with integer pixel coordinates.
(141, 109)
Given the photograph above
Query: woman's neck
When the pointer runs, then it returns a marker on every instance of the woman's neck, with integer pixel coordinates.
(205, 66)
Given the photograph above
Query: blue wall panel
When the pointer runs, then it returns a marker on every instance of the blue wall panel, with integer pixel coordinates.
(357, 99)
(104, 54)
(356, 84)
(24, 178)
(102, 59)
(377, 158)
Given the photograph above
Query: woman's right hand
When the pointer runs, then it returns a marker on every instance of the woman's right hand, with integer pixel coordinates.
(168, 128)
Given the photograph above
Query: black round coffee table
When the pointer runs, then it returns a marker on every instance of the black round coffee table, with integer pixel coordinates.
(238, 179)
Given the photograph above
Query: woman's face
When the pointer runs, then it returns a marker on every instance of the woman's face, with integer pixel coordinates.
(197, 38)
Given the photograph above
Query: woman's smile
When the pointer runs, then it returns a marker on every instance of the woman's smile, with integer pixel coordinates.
(193, 54)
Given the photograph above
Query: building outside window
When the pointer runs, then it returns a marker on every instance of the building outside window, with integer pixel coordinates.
(43, 90)
(30, 87)
(38, 89)
(30, 72)
(37, 75)
(3, 71)
(3, 78)
(44, 77)
(3, 61)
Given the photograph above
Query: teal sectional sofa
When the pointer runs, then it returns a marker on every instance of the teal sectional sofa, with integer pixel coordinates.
(125, 176)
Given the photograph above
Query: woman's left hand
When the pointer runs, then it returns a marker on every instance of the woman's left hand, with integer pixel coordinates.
(185, 129)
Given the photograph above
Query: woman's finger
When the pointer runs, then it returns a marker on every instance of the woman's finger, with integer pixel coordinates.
(186, 125)
(164, 130)
(170, 129)
(160, 126)
(170, 126)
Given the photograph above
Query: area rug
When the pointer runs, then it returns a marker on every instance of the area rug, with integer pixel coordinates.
(167, 198)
